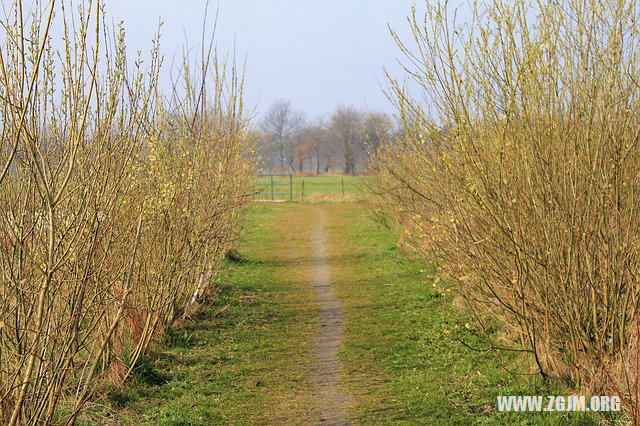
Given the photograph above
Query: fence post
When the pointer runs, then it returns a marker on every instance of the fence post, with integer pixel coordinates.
(271, 187)
(342, 187)
(291, 187)
(302, 193)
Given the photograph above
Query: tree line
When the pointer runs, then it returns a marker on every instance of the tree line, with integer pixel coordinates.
(340, 142)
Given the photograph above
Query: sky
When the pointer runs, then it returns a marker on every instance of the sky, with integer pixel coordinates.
(316, 53)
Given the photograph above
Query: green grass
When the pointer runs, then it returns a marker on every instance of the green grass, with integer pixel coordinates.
(237, 360)
(245, 358)
(316, 188)
(403, 363)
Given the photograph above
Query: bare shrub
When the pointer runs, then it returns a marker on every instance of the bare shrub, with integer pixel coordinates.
(518, 171)
(117, 205)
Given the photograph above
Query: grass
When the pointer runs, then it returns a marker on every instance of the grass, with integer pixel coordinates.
(402, 362)
(311, 188)
(245, 359)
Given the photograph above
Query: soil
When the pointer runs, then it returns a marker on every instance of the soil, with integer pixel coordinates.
(331, 402)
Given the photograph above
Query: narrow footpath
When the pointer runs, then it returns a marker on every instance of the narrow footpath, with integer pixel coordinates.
(331, 402)
(322, 321)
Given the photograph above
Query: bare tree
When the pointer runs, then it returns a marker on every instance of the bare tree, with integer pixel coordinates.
(346, 129)
(282, 130)
(322, 151)
(376, 126)
(349, 136)
(303, 154)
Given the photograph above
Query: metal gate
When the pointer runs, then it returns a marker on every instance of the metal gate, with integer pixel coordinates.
(273, 182)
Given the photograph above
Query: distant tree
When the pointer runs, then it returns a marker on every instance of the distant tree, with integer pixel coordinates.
(376, 126)
(320, 142)
(282, 130)
(346, 129)
(294, 141)
(348, 137)
(379, 128)
(303, 154)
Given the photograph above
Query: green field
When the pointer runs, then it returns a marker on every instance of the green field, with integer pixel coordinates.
(246, 358)
(309, 188)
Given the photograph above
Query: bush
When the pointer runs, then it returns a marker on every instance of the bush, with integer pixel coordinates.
(518, 171)
(118, 204)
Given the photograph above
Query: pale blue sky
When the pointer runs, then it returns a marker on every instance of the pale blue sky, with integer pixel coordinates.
(316, 53)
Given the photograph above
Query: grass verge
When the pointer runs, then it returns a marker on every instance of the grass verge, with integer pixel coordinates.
(244, 358)
(403, 365)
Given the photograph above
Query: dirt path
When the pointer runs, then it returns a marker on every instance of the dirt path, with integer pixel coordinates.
(330, 401)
